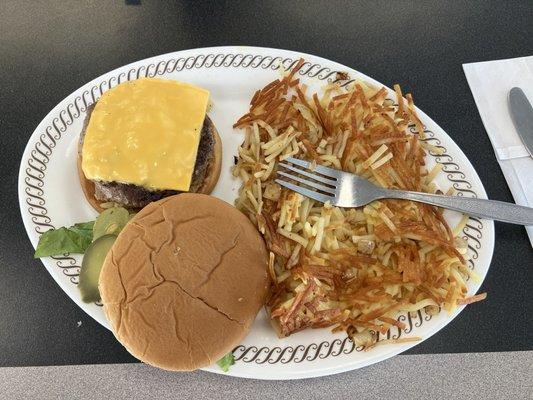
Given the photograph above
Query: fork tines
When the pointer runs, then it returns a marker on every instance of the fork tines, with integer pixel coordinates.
(321, 184)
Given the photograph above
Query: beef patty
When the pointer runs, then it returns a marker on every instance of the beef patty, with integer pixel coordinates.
(133, 196)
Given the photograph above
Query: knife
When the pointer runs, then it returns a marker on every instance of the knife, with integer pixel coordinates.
(522, 116)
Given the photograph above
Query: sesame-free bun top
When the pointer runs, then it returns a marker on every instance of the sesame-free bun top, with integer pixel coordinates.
(184, 281)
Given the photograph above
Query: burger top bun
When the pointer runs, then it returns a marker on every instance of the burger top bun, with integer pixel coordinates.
(184, 281)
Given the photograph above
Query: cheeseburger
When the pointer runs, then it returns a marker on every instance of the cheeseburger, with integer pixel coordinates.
(148, 139)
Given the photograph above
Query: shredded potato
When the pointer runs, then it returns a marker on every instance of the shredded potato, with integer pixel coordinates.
(354, 269)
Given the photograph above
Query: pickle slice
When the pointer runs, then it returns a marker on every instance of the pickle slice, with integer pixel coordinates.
(91, 265)
(110, 222)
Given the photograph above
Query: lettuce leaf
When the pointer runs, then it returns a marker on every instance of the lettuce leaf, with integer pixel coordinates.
(84, 228)
(225, 362)
(75, 239)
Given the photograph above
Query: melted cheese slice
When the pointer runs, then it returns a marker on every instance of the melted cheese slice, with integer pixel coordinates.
(145, 132)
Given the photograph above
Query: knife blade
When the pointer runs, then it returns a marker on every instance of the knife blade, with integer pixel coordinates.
(522, 116)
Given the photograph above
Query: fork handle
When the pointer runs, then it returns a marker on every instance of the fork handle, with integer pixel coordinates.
(490, 209)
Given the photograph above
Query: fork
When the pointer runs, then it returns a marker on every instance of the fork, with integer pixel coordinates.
(344, 189)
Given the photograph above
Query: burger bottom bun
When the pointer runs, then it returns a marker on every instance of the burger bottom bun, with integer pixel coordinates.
(184, 281)
(209, 183)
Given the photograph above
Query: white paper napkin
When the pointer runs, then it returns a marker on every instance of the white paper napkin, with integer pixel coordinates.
(490, 83)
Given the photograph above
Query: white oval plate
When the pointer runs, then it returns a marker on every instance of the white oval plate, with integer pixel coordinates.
(50, 196)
